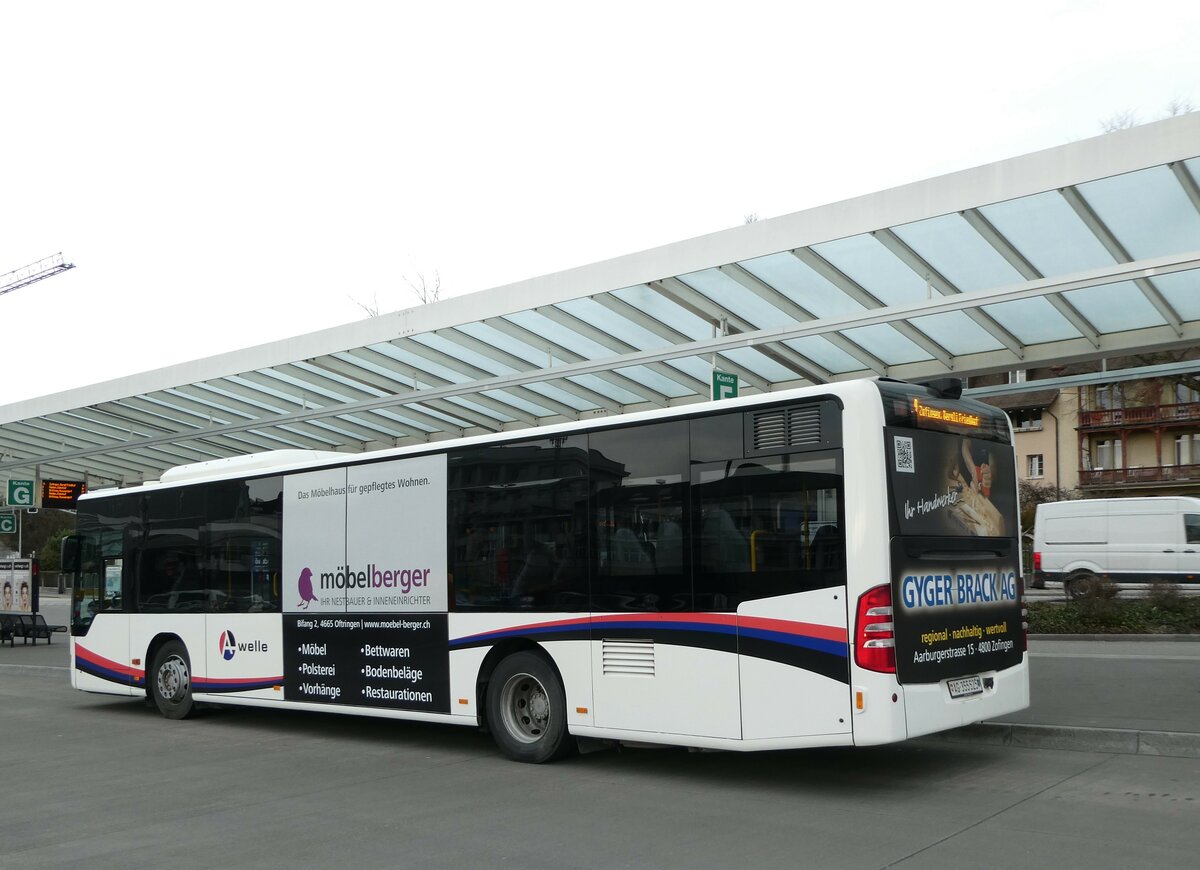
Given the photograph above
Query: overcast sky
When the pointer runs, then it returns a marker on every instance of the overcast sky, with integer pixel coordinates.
(228, 174)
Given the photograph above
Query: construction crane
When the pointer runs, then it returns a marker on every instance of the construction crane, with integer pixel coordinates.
(44, 268)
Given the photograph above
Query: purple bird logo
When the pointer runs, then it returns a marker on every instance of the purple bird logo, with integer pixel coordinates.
(306, 590)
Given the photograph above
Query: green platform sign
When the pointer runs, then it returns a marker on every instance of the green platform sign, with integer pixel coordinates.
(8, 524)
(724, 385)
(20, 493)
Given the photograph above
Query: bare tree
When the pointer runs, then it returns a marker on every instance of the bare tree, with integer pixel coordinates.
(427, 292)
(1122, 120)
(1179, 106)
(751, 217)
(372, 309)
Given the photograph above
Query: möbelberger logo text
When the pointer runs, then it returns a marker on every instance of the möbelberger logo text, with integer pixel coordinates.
(403, 579)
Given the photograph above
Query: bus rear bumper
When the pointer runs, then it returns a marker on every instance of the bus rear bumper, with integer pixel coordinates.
(929, 708)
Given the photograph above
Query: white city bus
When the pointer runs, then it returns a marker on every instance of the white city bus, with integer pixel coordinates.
(835, 565)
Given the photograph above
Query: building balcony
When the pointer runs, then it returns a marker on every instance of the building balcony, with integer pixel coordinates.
(1144, 476)
(1139, 416)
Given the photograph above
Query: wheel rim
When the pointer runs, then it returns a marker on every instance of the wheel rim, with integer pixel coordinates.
(525, 708)
(173, 680)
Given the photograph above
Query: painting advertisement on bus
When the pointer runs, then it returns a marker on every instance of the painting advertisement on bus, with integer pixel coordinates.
(955, 561)
(365, 587)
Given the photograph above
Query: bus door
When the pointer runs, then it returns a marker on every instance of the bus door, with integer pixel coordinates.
(772, 546)
(657, 664)
(99, 619)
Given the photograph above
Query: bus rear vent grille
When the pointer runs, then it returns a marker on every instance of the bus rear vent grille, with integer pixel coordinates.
(779, 428)
(628, 658)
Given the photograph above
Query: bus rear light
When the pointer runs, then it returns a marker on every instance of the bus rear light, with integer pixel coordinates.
(1037, 560)
(874, 632)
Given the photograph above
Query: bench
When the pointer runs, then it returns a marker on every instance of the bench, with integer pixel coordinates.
(27, 627)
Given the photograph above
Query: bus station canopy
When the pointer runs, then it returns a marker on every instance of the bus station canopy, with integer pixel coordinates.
(1088, 250)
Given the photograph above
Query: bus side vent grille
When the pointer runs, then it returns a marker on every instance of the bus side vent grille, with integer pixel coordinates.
(627, 658)
(780, 428)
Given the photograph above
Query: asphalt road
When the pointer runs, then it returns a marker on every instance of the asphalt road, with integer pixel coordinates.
(101, 782)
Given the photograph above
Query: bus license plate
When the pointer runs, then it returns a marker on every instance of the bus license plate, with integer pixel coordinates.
(964, 686)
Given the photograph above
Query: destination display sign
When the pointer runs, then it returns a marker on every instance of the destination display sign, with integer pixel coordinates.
(62, 493)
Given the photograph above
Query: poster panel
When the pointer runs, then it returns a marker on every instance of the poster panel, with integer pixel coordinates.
(314, 540)
(396, 536)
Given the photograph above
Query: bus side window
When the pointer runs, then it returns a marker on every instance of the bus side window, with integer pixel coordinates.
(768, 526)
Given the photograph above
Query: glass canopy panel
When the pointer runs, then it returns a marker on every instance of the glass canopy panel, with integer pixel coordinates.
(658, 307)
(503, 342)
(1115, 307)
(826, 354)
(412, 361)
(375, 369)
(391, 414)
(518, 403)
(234, 397)
(457, 422)
(1046, 231)
(228, 413)
(1032, 321)
(464, 354)
(958, 253)
(290, 399)
(610, 389)
(329, 426)
(338, 378)
(611, 323)
(886, 343)
(375, 424)
(480, 410)
(729, 294)
(873, 267)
(956, 332)
(539, 325)
(308, 387)
(1148, 211)
(1182, 290)
(756, 363)
(563, 397)
(699, 369)
(801, 285)
(654, 381)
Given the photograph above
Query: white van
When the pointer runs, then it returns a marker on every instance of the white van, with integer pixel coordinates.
(1124, 540)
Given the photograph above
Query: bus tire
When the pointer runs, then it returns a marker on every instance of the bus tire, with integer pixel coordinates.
(170, 680)
(1081, 583)
(527, 709)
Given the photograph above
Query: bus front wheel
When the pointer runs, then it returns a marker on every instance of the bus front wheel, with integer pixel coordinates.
(526, 709)
(170, 681)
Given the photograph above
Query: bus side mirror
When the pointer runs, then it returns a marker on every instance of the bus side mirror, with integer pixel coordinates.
(70, 554)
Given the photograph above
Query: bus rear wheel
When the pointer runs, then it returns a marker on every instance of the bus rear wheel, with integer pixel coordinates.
(170, 679)
(526, 709)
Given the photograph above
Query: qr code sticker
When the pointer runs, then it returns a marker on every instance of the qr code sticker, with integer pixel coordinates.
(904, 454)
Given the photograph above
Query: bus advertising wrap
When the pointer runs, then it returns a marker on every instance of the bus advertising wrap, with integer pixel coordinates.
(956, 567)
(951, 484)
(366, 539)
(365, 587)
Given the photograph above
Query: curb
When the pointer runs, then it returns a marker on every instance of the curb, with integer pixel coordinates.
(1137, 637)
(1118, 741)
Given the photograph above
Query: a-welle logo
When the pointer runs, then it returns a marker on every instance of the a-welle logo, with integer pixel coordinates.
(229, 647)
